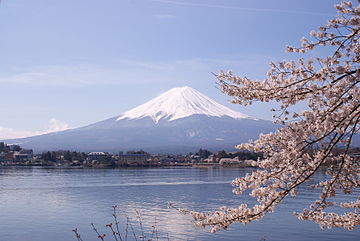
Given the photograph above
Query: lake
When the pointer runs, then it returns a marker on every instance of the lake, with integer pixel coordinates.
(40, 204)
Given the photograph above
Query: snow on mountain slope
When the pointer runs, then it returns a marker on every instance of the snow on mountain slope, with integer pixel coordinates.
(178, 103)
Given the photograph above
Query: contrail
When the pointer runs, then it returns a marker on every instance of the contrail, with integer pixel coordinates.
(240, 8)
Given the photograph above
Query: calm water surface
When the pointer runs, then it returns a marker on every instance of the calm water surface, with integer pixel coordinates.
(38, 204)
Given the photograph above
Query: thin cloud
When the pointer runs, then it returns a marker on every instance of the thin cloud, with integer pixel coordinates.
(192, 4)
(125, 72)
(11, 133)
(164, 16)
(60, 75)
(54, 125)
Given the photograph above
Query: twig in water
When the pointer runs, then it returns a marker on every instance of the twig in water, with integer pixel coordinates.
(126, 229)
(112, 231)
(76, 231)
(100, 236)
(140, 223)
(116, 222)
(133, 231)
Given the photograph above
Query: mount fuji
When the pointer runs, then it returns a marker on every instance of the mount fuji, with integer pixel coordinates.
(179, 120)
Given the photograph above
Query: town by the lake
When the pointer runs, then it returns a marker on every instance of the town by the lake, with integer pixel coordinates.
(15, 155)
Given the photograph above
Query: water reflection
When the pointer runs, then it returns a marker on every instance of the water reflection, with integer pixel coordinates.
(45, 204)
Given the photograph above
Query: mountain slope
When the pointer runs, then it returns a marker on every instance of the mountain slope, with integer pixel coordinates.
(180, 120)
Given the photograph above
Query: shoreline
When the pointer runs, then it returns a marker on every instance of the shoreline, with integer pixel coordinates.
(187, 165)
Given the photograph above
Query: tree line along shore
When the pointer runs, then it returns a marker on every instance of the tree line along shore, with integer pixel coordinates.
(15, 155)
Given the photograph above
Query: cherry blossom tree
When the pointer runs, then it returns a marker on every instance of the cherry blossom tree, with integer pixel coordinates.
(305, 142)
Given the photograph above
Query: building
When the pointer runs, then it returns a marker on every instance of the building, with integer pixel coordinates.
(131, 158)
(14, 154)
(100, 159)
(18, 157)
(9, 156)
(97, 156)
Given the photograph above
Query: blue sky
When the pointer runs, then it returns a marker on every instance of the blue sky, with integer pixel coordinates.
(65, 64)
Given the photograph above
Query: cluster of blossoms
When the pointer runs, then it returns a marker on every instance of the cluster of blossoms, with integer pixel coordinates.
(305, 142)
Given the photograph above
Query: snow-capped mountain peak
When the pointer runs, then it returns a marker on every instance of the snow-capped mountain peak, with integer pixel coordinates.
(179, 103)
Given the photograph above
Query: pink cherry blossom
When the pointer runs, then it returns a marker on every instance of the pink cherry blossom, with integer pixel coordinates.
(306, 141)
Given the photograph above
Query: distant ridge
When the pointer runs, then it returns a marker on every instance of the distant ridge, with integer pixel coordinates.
(178, 121)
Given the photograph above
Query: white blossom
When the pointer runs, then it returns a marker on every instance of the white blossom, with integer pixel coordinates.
(305, 143)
